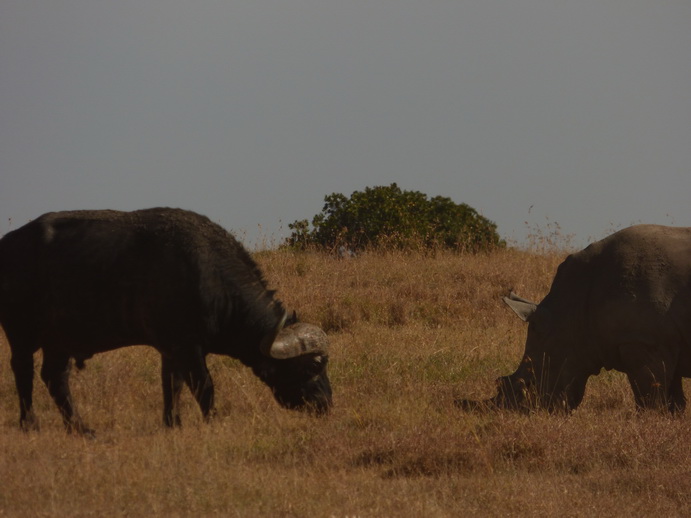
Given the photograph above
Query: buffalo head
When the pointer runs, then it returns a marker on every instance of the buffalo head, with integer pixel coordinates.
(294, 368)
(548, 377)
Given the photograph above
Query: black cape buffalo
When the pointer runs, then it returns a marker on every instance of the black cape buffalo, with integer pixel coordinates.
(623, 303)
(82, 282)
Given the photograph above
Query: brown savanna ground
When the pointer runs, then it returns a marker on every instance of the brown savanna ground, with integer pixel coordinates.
(409, 332)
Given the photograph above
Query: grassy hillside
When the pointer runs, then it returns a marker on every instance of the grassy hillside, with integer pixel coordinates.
(409, 333)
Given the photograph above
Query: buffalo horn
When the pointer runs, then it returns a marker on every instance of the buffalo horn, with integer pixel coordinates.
(265, 345)
(299, 339)
(522, 307)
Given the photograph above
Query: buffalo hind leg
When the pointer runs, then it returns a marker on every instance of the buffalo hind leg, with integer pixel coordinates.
(172, 382)
(55, 373)
(652, 377)
(655, 389)
(23, 369)
(677, 399)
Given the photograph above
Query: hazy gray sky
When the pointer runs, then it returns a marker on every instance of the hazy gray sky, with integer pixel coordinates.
(252, 111)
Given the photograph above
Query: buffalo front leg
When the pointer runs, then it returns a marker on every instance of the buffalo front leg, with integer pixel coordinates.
(172, 386)
(55, 373)
(192, 366)
(23, 369)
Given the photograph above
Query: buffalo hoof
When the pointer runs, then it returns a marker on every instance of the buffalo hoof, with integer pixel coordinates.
(172, 422)
(79, 428)
(211, 416)
(29, 423)
(470, 405)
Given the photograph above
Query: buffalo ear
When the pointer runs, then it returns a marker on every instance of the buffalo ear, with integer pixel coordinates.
(292, 318)
(522, 307)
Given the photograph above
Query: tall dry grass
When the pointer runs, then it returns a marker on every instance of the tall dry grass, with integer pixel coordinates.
(409, 332)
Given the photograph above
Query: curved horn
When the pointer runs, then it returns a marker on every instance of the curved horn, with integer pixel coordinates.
(513, 296)
(522, 307)
(265, 345)
(297, 340)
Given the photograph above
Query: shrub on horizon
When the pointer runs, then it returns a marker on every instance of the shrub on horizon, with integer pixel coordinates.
(387, 216)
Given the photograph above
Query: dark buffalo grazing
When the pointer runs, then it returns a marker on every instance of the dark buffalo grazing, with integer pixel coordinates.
(83, 282)
(623, 303)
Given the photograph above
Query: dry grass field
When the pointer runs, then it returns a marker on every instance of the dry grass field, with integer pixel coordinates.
(409, 332)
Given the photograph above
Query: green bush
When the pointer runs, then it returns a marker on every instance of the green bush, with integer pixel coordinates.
(391, 217)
